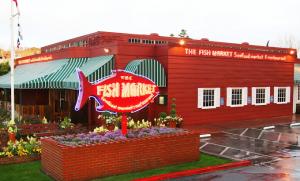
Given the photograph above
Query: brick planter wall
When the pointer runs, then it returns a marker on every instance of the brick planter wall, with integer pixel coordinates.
(99, 160)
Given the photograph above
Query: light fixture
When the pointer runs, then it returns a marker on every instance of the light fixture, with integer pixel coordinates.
(106, 50)
(292, 52)
(162, 100)
(181, 42)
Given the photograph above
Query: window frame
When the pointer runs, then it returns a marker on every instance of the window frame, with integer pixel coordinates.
(216, 98)
(267, 96)
(244, 96)
(287, 95)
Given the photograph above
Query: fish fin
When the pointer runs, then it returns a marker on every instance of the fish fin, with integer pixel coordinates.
(83, 90)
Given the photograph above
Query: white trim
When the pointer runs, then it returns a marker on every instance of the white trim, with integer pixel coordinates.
(253, 96)
(216, 98)
(267, 100)
(275, 95)
(245, 96)
(200, 97)
(229, 96)
(267, 96)
(287, 95)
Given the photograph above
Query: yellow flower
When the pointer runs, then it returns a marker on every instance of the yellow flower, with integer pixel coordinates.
(9, 154)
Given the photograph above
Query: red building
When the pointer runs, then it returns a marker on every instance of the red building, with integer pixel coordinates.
(211, 81)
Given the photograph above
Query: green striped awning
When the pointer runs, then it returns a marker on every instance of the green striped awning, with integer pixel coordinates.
(28, 72)
(55, 79)
(59, 74)
(95, 69)
(149, 68)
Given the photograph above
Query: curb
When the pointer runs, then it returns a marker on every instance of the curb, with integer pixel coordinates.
(196, 171)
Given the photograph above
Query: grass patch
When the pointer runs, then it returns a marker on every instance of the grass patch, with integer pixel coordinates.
(24, 171)
(204, 161)
(31, 171)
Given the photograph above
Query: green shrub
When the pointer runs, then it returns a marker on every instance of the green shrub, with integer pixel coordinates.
(4, 68)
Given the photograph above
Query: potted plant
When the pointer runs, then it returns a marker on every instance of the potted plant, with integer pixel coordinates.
(110, 123)
(173, 120)
(109, 120)
(12, 130)
(66, 123)
(161, 121)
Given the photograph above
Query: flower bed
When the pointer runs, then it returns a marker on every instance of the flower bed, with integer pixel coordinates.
(18, 159)
(87, 156)
(21, 151)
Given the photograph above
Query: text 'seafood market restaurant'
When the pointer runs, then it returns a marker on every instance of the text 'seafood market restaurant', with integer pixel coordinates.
(211, 81)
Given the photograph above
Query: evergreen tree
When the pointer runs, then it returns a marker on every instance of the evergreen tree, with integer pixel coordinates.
(4, 68)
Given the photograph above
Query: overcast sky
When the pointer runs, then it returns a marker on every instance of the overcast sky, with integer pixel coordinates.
(254, 21)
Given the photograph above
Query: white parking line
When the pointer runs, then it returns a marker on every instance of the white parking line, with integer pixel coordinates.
(224, 150)
(259, 139)
(244, 132)
(243, 150)
(279, 136)
(260, 134)
(203, 145)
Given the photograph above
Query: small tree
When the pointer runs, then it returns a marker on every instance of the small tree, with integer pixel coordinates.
(163, 115)
(173, 108)
(4, 68)
(183, 34)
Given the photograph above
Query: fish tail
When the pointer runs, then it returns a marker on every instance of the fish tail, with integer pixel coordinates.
(83, 90)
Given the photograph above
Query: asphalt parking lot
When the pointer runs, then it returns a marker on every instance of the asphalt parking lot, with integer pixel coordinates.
(275, 154)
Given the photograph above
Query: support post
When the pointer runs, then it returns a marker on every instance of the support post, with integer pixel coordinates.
(89, 114)
(124, 124)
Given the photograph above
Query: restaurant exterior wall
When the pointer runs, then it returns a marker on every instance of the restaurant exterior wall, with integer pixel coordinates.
(196, 72)
(187, 73)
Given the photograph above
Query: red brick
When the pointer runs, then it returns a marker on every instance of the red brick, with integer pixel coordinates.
(100, 160)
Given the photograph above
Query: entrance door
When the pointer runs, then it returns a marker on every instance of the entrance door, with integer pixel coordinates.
(60, 104)
(296, 104)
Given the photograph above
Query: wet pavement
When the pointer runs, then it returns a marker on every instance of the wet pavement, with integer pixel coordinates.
(284, 170)
(275, 154)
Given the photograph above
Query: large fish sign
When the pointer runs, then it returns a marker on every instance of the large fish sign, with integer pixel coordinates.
(121, 92)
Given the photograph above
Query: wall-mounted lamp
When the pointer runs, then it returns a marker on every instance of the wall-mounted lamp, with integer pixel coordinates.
(181, 42)
(292, 52)
(162, 100)
(106, 50)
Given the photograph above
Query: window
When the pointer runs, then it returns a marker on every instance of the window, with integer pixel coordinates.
(282, 95)
(208, 98)
(260, 95)
(237, 96)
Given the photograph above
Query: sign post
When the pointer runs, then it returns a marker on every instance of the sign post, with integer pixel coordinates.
(121, 92)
